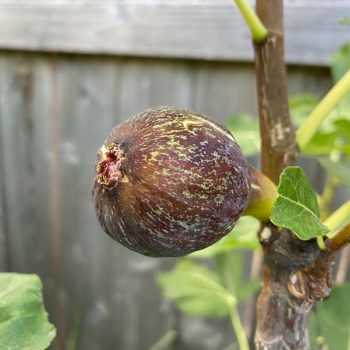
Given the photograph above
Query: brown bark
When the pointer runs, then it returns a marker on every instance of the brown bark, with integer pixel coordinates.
(295, 273)
(278, 138)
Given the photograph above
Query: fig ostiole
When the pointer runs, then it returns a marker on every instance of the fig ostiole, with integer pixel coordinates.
(169, 182)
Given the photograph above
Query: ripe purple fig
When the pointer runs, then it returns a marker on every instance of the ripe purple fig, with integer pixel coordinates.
(170, 182)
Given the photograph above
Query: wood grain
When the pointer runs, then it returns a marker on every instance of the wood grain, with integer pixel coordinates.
(4, 254)
(24, 110)
(210, 29)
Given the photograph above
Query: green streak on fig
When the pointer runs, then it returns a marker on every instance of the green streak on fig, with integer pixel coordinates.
(170, 182)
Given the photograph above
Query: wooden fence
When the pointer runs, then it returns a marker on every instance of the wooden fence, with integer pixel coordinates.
(56, 108)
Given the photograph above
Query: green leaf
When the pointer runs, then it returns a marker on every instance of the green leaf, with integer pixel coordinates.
(300, 106)
(243, 236)
(330, 137)
(23, 319)
(232, 274)
(339, 170)
(345, 21)
(322, 143)
(331, 321)
(196, 290)
(296, 207)
(343, 127)
(245, 129)
(340, 64)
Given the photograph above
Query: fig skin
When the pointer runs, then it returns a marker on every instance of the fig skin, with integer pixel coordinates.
(169, 182)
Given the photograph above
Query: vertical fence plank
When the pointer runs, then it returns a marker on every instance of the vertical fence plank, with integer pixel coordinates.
(223, 91)
(24, 111)
(86, 107)
(4, 257)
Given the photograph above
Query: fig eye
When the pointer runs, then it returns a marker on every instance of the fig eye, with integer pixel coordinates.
(109, 170)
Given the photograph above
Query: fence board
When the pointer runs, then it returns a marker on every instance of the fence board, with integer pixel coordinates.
(86, 99)
(24, 109)
(194, 29)
(3, 239)
(222, 91)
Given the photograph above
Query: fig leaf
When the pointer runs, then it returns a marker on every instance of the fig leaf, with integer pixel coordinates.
(296, 207)
(196, 290)
(23, 319)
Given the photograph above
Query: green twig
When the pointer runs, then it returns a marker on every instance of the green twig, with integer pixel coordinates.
(238, 327)
(222, 264)
(308, 129)
(339, 218)
(165, 341)
(257, 29)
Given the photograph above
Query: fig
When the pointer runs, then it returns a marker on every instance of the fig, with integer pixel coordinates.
(169, 182)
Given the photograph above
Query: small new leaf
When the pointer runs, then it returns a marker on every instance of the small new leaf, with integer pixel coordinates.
(296, 207)
(23, 319)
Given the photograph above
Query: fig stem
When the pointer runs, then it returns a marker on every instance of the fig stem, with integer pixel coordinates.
(339, 219)
(308, 129)
(263, 194)
(256, 27)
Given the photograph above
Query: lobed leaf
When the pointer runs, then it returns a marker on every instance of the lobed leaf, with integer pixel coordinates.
(23, 319)
(196, 290)
(231, 271)
(296, 207)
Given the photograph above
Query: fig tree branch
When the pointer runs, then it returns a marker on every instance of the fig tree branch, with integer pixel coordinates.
(278, 146)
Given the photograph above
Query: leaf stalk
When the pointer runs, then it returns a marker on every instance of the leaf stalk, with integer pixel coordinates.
(339, 219)
(256, 27)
